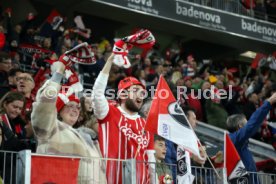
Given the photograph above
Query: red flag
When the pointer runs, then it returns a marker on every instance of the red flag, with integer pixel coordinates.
(232, 161)
(5, 119)
(54, 13)
(256, 60)
(54, 170)
(54, 19)
(167, 119)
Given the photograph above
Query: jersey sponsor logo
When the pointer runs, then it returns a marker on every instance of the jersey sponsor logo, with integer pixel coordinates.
(128, 132)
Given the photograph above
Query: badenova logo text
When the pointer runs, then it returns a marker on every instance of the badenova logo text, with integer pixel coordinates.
(256, 28)
(142, 2)
(193, 13)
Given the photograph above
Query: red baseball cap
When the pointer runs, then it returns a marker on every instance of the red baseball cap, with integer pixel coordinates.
(127, 82)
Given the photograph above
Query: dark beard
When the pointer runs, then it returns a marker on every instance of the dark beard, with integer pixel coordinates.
(130, 105)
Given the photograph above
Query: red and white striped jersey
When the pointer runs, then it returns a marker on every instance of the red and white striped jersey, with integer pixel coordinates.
(122, 136)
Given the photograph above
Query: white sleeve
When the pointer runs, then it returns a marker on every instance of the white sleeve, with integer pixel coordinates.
(100, 104)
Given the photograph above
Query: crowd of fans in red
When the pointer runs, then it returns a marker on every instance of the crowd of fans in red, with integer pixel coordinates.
(29, 45)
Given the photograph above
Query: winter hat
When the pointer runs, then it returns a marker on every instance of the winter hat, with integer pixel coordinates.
(62, 100)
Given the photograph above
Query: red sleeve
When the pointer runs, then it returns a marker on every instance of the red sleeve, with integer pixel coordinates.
(113, 112)
(268, 164)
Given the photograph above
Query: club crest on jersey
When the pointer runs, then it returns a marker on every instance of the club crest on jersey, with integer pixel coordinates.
(177, 113)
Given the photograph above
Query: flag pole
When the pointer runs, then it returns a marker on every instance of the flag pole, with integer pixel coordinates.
(201, 145)
(208, 158)
(224, 149)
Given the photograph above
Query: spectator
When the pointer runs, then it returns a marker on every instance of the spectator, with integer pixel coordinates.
(231, 5)
(12, 104)
(270, 7)
(5, 67)
(53, 117)
(87, 124)
(163, 171)
(260, 10)
(25, 85)
(12, 138)
(13, 73)
(215, 112)
(241, 130)
(251, 106)
(87, 114)
(120, 124)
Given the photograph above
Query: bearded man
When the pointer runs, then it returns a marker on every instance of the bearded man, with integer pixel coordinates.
(121, 128)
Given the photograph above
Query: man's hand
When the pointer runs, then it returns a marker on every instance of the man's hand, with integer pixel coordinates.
(202, 160)
(272, 99)
(111, 57)
(218, 158)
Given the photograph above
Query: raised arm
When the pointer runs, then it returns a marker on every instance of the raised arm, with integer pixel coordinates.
(100, 103)
(254, 122)
(44, 115)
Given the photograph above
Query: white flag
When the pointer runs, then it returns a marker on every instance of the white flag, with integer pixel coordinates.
(184, 171)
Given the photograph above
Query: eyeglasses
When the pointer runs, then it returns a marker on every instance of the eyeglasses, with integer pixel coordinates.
(72, 106)
(24, 79)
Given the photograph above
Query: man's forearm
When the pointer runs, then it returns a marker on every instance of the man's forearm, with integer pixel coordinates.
(100, 103)
(107, 67)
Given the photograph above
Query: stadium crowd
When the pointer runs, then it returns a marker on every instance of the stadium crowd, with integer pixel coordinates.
(22, 100)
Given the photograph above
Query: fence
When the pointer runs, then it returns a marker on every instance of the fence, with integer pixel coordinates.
(235, 6)
(25, 168)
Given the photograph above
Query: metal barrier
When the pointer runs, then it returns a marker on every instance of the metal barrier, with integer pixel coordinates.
(8, 170)
(261, 178)
(235, 6)
(201, 175)
(25, 168)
